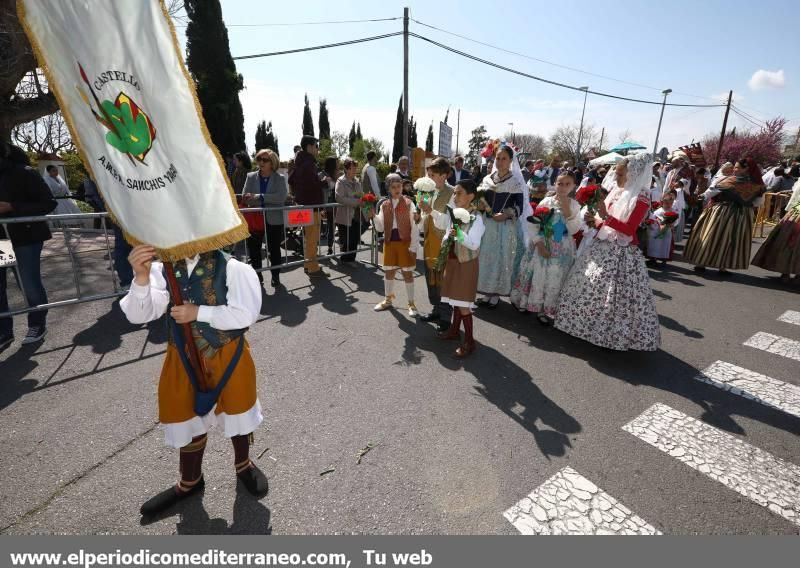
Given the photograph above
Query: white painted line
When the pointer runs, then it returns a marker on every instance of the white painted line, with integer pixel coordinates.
(758, 475)
(790, 316)
(568, 503)
(775, 344)
(753, 386)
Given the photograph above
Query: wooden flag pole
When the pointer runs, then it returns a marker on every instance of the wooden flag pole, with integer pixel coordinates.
(190, 346)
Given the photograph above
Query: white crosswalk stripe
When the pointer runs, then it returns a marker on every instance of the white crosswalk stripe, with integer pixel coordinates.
(750, 471)
(753, 386)
(568, 503)
(775, 344)
(790, 316)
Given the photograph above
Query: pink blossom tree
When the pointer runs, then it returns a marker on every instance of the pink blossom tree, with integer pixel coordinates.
(764, 146)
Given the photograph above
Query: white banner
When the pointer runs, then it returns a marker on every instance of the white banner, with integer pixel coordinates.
(118, 74)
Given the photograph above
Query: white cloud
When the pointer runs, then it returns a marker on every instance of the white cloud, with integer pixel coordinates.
(763, 79)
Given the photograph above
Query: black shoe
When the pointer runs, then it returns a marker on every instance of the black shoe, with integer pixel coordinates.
(433, 316)
(493, 305)
(35, 333)
(699, 268)
(254, 480)
(168, 498)
(442, 325)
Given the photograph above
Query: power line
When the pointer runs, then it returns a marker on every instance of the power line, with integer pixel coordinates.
(740, 115)
(747, 115)
(287, 24)
(543, 80)
(317, 47)
(554, 64)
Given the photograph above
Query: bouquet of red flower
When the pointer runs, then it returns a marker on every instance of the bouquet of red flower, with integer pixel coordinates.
(543, 216)
(368, 201)
(654, 205)
(589, 196)
(670, 217)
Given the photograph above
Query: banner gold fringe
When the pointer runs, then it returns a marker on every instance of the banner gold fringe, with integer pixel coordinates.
(183, 250)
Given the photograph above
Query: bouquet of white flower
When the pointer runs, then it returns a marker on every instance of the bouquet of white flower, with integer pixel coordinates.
(425, 188)
(460, 218)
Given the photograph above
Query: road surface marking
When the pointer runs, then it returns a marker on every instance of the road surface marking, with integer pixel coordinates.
(753, 386)
(568, 503)
(790, 316)
(775, 344)
(758, 475)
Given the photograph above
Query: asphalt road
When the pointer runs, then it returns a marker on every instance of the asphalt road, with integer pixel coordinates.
(454, 444)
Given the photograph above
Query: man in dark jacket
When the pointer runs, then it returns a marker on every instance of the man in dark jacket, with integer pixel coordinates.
(308, 189)
(23, 193)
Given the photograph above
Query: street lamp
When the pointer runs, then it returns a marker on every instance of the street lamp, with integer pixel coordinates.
(580, 130)
(513, 140)
(658, 132)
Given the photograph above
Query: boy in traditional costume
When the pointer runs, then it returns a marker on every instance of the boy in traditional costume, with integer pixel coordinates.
(462, 232)
(397, 220)
(442, 198)
(222, 299)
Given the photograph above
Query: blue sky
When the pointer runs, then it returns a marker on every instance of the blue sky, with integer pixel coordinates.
(701, 48)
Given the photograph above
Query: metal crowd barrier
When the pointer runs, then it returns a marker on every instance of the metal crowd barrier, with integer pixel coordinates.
(291, 234)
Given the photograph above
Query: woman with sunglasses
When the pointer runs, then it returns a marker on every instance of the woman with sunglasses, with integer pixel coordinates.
(266, 188)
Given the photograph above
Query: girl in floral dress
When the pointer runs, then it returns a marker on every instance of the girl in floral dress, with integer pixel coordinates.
(548, 259)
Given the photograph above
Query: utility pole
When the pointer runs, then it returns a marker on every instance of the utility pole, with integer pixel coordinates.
(458, 129)
(602, 135)
(660, 118)
(580, 130)
(722, 134)
(405, 83)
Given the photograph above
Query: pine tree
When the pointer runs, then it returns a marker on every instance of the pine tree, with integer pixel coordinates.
(358, 132)
(308, 121)
(261, 136)
(412, 133)
(209, 60)
(429, 140)
(398, 147)
(352, 137)
(324, 125)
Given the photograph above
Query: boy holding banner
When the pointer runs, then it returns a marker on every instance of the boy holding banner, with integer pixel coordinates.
(223, 299)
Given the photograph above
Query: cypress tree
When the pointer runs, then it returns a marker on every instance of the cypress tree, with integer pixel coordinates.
(429, 140)
(358, 132)
(398, 147)
(308, 121)
(261, 136)
(412, 133)
(208, 58)
(324, 125)
(352, 137)
(271, 141)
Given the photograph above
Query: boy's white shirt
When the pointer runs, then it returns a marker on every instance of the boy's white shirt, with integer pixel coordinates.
(147, 303)
(377, 221)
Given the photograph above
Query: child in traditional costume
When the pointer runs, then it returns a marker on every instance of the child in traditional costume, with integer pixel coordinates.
(397, 220)
(662, 222)
(438, 200)
(551, 252)
(462, 230)
(222, 299)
